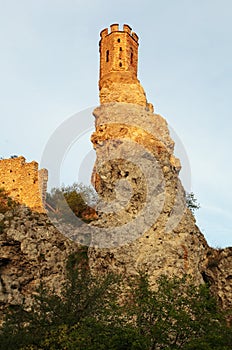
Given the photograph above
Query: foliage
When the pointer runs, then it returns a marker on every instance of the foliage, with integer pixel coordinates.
(88, 315)
(191, 202)
(85, 300)
(177, 315)
(87, 192)
(77, 197)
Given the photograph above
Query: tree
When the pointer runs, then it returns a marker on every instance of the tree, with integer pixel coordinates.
(191, 202)
(79, 198)
(84, 304)
(177, 315)
(104, 312)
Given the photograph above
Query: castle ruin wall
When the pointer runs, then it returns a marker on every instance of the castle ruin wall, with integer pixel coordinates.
(24, 182)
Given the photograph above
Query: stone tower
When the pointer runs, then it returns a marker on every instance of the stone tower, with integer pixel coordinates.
(119, 52)
(118, 67)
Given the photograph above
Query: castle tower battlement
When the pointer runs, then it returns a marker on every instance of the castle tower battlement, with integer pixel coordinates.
(118, 80)
(118, 51)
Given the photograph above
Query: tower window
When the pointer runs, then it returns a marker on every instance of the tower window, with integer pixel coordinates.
(119, 40)
(131, 57)
(107, 55)
(120, 64)
(120, 49)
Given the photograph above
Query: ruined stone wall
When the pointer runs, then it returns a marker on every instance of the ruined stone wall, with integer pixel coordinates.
(42, 181)
(24, 182)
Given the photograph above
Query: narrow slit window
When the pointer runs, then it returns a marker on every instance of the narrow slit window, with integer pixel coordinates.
(107, 55)
(120, 64)
(119, 40)
(120, 53)
(131, 57)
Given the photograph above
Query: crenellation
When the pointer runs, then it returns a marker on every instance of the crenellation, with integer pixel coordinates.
(114, 27)
(104, 32)
(127, 28)
(135, 36)
(24, 182)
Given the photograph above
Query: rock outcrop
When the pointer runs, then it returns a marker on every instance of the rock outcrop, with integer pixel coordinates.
(136, 176)
(149, 226)
(217, 272)
(32, 251)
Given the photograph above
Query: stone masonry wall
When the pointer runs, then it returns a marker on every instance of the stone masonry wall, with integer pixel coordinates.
(24, 182)
(118, 67)
(118, 51)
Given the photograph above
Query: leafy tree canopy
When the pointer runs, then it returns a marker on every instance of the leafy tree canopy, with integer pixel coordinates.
(108, 313)
(79, 198)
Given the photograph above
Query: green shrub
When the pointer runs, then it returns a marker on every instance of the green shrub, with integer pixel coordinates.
(77, 197)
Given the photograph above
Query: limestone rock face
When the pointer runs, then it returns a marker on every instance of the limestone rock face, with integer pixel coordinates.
(218, 273)
(31, 251)
(143, 206)
(142, 200)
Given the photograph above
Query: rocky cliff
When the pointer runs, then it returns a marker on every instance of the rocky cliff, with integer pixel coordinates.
(147, 219)
(143, 204)
(143, 223)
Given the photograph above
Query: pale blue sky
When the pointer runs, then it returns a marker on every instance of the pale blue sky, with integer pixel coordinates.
(49, 71)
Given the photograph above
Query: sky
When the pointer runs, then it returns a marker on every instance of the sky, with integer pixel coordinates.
(49, 64)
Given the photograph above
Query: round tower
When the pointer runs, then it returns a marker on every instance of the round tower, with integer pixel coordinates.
(118, 80)
(118, 51)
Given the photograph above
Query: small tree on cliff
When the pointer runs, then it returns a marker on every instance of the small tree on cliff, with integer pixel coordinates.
(191, 202)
